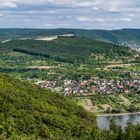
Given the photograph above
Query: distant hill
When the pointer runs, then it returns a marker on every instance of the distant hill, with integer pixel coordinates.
(26, 110)
(129, 37)
(67, 49)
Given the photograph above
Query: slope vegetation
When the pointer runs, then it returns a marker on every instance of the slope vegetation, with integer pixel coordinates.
(129, 37)
(26, 110)
(67, 49)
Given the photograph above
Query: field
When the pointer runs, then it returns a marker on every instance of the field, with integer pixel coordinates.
(112, 103)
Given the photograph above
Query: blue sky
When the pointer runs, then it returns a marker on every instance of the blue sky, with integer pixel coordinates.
(87, 14)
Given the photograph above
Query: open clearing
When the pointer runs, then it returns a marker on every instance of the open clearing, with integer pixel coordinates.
(87, 104)
(43, 67)
(122, 65)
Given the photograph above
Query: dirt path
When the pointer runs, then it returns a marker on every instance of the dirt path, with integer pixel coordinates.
(121, 65)
(87, 104)
(43, 67)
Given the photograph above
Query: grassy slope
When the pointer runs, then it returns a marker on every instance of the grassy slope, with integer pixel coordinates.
(101, 102)
(26, 109)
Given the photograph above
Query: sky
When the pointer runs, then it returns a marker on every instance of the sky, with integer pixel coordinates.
(86, 14)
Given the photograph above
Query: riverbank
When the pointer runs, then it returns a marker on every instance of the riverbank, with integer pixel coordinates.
(121, 119)
(120, 114)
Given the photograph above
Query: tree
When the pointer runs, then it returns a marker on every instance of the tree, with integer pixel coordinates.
(115, 129)
(129, 131)
(132, 108)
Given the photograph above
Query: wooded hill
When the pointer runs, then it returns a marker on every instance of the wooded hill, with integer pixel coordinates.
(130, 37)
(26, 110)
(67, 49)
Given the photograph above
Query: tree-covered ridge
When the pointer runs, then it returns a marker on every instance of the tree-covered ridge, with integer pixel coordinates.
(124, 36)
(27, 110)
(69, 49)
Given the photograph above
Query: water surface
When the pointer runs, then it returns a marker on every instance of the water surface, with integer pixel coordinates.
(103, 121)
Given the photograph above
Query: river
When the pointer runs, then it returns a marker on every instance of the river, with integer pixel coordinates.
(103, 121)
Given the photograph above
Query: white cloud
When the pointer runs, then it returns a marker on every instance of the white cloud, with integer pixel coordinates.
(48, 25)
(89, 19)
(95, 8)
(99, 20)
(1, 15)
(127, 19)
(109, 5)
(9, 4)
(84, 4)
(84, 19)
(123, 19)
(71, 13)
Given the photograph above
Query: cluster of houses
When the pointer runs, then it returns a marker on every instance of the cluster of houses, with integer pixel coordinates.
(47, 84)
(88, 87)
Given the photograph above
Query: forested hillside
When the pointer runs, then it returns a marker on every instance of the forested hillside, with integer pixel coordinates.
(130, 37)
(26, 110)
(67, 49)
(66, 57)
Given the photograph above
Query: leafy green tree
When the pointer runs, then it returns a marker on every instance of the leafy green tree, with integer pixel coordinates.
(129, 131)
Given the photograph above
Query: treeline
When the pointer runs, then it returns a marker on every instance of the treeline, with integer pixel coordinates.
(8, 70)
(55, 58)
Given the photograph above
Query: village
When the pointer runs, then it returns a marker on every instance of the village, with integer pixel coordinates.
(92, 86)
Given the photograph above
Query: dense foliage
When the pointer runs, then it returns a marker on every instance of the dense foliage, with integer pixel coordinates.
(125, 36)
(116, 36)
(66, 49)
(27, 110)
(74, 58)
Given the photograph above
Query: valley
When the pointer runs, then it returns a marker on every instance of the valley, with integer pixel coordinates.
(100, 69)
(59, 87)
(69, 70)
